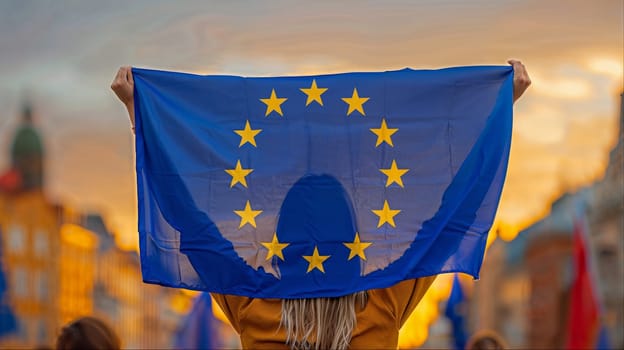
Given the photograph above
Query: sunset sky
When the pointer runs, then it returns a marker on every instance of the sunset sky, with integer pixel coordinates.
(64, 54)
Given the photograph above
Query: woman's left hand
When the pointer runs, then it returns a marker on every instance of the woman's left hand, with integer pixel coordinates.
(521, 79)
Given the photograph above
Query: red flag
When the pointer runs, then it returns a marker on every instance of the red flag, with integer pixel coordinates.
(584, 309)
(10, 181)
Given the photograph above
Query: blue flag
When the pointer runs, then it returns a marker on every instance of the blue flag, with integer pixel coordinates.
(318, 186)
(8, 322)
(603, 342)
(199, 329)
(456, 313)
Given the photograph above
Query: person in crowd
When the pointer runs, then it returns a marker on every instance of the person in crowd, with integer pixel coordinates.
(87, 333)
(486, 340)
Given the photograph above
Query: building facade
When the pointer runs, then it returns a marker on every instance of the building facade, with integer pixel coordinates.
(606, 226)
(30, 226)
(61, 264)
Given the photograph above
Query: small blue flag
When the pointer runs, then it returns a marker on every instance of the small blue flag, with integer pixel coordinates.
(199, 329)
(456, 313)
(318, 186)
(603, 342)
(8, 322)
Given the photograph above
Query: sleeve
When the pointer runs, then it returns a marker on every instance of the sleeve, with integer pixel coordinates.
(403, 297)
(231, 305)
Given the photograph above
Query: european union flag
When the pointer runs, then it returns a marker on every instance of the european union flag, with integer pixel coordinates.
(318, 186)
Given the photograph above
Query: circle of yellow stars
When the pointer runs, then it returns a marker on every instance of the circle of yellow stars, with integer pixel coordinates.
(314, 94)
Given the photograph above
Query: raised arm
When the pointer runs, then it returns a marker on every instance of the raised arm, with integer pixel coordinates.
(123, 86)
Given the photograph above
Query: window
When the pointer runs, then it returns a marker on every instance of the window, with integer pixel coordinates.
(22, 328)
(17, 239)
(41, 286)
(20, 281)
(42, 331)
(41, 243)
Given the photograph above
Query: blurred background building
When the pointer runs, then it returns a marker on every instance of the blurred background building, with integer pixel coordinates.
(606, 227)
(60, 264)
(524, 293)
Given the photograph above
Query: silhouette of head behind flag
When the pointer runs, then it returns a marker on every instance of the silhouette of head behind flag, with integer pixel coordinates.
(318, 213)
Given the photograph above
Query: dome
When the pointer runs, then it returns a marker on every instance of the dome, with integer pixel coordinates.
(27, 142)
(27, 152)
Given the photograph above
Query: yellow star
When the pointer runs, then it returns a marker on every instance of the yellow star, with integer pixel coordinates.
(273, 103)
(275, 248)
(386, 215)
(355, 102)
(394, 174)
(314, 93)
(383, 133)
(316, 260)
(247, 215)
(238, 174)
(248, 135)
(357, 247)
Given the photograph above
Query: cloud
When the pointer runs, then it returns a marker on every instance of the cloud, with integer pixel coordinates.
(560, 87)
(541, 123)
(606, 65)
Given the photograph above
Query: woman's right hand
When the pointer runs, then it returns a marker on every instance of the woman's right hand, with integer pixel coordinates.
(123, 86)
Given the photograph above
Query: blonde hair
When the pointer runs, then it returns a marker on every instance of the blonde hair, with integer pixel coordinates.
(321, 323)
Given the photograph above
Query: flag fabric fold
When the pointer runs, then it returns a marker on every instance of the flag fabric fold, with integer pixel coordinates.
(318, 186)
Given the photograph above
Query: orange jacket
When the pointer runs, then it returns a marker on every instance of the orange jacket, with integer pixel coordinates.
(257, 320)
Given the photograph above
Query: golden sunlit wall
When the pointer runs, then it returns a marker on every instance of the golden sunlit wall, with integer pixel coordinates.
(77, 272)
(120, 280)
(117, 275)
(128, 278)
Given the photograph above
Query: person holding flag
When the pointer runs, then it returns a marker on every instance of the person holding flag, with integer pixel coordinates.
(323, 299)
